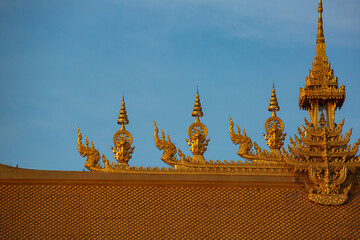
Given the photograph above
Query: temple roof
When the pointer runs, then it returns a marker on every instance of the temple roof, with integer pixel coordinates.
(311, 190)
(93, 205)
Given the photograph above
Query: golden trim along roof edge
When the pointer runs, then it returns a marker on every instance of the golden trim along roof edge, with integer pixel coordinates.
(13, 175)
(8, 172)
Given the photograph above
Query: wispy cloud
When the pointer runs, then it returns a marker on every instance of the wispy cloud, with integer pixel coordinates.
(255, 19)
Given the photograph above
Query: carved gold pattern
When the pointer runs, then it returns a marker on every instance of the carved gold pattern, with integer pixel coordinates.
(169, 149)
(122, 150)
(328, 158)
(92, 155)
(186, 165)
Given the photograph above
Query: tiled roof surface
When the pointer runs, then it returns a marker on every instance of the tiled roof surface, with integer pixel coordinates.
(140, 211)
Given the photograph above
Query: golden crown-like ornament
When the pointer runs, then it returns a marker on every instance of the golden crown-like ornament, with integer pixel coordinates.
(320, 151)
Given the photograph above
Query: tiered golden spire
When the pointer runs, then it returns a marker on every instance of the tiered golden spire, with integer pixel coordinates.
(197, 111)
(123, 119)
(274, 126)
(122, 139)
(322, 150)
(321, 91)
(273, 105)
(197, 133)
(320, 38)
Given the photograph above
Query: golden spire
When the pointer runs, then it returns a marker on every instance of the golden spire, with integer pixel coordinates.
(197, 133)
(320, 39)
(123, 116)
(122, 139)
(197, 111)
(273, 105)
(320, 32)
(321, 90)
(274, 126)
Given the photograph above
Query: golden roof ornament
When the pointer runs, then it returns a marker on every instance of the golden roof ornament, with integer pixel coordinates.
(197, 111)
(328, 158)
(274, 126)
(320, 32)
(197, 133)
(275, 137)
(320, 150)
(273, 105)
(123, 119)
(321, 90)
(122, 140)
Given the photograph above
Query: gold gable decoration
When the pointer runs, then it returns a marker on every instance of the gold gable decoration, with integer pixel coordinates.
(320, 152)
(328, 158)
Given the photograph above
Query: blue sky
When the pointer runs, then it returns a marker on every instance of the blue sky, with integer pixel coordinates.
(66, 64)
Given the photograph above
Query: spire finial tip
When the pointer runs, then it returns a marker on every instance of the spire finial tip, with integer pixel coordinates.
(273, 105)
(197, 111)
(123, 119)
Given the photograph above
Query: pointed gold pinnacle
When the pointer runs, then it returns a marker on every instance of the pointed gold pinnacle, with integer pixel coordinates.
(197, 111)
(320, 33)
(123, 116)
(273, 105)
